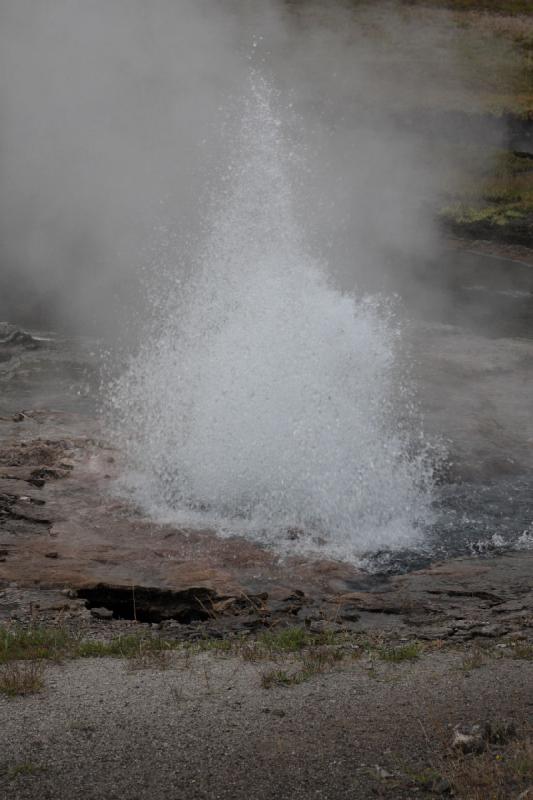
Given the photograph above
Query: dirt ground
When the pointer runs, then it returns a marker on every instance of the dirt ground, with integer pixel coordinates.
(204, 727)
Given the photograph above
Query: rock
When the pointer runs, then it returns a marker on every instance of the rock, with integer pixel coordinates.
(323, 626)
(276, 712)
(491, 631)
(382, 773)
(435, 634)
(102, 613)
(469, 741)
(442, 786)
(293, 534)
(308, 614)
(350, 613)
(384, 603)
(465, 624)
(512, 606)
(21, 339)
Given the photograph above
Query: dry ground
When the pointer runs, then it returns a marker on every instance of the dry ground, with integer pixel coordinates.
(218, 723)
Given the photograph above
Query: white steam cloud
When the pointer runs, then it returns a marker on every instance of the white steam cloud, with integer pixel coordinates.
(111, 119)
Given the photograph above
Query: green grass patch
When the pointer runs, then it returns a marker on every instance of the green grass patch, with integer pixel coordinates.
(19, 678)
(522, 651)
(310, 661)
(127, 646)
(509, 7)
(23, 769)
(295, 639)
(396, 655)
(289, 640)
(475, 659)
(34, 643)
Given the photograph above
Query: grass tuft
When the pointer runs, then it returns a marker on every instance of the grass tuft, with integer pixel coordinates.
(494, 775)
(132, 646)
(475, 659)
(34, 643)
(521, 650)
(26, 768)
(395, 655)
(19, 678)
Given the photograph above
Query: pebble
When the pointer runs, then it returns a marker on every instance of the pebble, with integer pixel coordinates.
(102, 613)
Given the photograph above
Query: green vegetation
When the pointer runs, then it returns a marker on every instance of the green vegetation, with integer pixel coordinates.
(294, 639)
(26, 768)
(130, 646)
(426, 779)
(313, 663)
(522, 651)
(497, 775)
(35, 643)
(509, 7)
(451, 55)
(490, 196)
(395, 655)
(21, 678)
(475, 659)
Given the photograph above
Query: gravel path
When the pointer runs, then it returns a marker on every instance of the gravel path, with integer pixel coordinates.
(204, 727)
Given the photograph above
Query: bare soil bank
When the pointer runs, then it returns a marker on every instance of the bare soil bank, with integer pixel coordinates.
(205, 727)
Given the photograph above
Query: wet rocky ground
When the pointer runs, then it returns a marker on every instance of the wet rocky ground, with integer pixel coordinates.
(69, 548)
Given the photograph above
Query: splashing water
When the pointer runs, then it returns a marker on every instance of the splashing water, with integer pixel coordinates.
(268, 402)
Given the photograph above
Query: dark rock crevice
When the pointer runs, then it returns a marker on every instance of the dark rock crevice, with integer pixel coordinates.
(150, 604)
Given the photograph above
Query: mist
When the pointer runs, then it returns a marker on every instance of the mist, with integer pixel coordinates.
(115, 119)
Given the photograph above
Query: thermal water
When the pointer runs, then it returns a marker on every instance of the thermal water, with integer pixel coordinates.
(265, 402)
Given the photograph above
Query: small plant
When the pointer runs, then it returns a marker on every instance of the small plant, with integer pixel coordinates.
(426, 779)
(395, 655)
(133, 646)
(26, 768)
(34, 643)
(21, 678)
(279, 677)
(497, 775)
(288, 640)
(313, 662)
(521, 650)
(474, 660)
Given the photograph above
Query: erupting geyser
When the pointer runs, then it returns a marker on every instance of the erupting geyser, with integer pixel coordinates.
(268, 400)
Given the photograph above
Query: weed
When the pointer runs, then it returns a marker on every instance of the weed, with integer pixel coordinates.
(521, 650)
(26, 768)
(425, 779)
(150, 659)
(288, 640)
(21, 678)
(395, 655)
(133, 646)
(313, 662)
(34, 643)
(475, 659)
(495, 775)
(178, 695)
(279, 677)
(296, 639)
